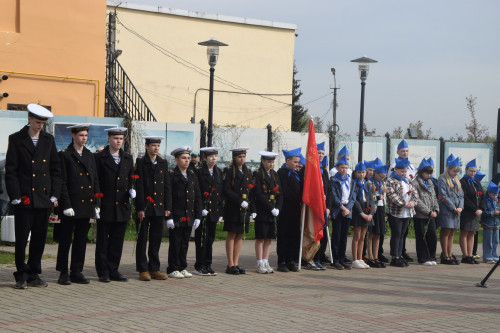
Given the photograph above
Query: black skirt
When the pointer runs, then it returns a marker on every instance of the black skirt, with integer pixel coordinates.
(379, 226)
(235, 226)
(265, 229)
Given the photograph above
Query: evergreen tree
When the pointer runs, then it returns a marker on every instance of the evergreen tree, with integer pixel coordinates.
(300, 118)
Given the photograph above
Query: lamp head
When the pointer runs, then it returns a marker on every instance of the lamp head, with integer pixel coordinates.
(212, 50)
(363, 66)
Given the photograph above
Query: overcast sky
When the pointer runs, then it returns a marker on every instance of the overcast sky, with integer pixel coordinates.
(432, 55)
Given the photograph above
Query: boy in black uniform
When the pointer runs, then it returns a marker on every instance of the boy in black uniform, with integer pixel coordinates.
(288, 242)
(185, 215)
(78, 192)
(114, 167)
(210, 181)
(153, 204)
(33, 182)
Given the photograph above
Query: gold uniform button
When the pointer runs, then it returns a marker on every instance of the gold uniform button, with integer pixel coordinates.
(117, 190)
(44, 188)
(77, 161)
(83, 200)
(45, 175)
(44, 161)
(91, 200)
(155, 181)
(81, 174)
(33, 175)
(162, 181)
(33, 189)
(117, 202)
(155, 193)
(33, 161)
(118, 178)
(87, 173)
(90, 186)
(161, 204)
(82, 187)
(154, 204)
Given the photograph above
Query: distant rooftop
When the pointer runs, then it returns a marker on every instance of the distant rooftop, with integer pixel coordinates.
(200, 15)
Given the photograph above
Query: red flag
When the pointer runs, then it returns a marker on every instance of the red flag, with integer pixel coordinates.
(313, 194)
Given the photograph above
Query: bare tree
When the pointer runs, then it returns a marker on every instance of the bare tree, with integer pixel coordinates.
(318, 124)
(397, 133)
(475, 131)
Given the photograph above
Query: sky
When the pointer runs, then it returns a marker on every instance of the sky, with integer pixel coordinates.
(431, 55)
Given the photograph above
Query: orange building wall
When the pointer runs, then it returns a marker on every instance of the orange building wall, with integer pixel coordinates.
(54, 38)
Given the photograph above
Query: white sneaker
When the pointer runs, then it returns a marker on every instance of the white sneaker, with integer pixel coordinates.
(357, 264)
(428, 263)
(261, 269)
(364, 264)
(434, 263)
(176, 275)
(186, 274)
(269, 268)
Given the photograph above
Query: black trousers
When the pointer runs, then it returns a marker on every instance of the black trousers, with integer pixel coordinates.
(381, 245)
(340, 230)
(288, 240)
(152, 226)
(426, 245)
(35, 221)
(398, 228)
(474, 248)
(76, 230)
(404, 238)
(204, 246)
(323, 244)
(109, 246)
(177, 249)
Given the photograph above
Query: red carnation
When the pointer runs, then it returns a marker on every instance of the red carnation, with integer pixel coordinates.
(189, 219)
(134, 176)
(183, 219)
(148, 198)
(250, 186)
(479, 193)
(275, 189)
(98, 195)
(26, 200)
(206, 194)
(411, 176)
(213, 188)
(377, 188)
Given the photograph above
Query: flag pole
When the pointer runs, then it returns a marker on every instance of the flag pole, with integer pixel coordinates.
(302, 234)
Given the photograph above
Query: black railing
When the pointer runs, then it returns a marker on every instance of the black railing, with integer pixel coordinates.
(122, 98)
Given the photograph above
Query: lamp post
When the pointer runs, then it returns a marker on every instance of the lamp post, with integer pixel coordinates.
(333, 130)
(212, 56)
(363, 67)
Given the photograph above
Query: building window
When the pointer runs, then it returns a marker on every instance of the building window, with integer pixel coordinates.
(23, 107)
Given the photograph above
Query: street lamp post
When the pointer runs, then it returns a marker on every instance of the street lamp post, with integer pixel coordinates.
(333, 130)
(212, 56)
(363, 67)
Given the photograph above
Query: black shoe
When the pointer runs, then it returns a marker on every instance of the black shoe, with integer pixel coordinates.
(104, 278)
(232, 270)
(407, 258)
(448, 261)
(211, 271)
(338, 266)
(382, 258)
(241, 270)
(347, 260)
(78, 278)
(283, 268)
(373, 264)
(37, 282)
(381, 264)
(455, 260)
(117, 276)
(292, 266)
(63, 279)
(347, 265)
(466, 260)
(397, 262)
(21, 284)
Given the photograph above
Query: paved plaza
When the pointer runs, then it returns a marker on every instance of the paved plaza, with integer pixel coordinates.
(413, 299)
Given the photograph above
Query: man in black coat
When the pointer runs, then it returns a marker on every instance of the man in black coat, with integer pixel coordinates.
(288, 240)
(33, 182)
(77, 204)
(185, 214)
(210, 181)
(153, 203)
(115, 168)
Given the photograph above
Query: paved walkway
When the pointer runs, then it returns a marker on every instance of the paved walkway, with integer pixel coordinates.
(413, 299)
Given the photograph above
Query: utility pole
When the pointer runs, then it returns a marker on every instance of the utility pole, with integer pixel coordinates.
(333, 130)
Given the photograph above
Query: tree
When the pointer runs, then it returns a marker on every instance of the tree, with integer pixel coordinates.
(397, 133)
(300, 118)
(318, 124)
(475, 131)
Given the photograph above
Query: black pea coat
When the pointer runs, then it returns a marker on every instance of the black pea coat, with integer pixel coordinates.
(265, 197)
(292, 196)
(32, 171)
(186, 198)
(114, 183)
(79, 182)
(213, 202)
(235, 191)
(471, 200)
(154, 182)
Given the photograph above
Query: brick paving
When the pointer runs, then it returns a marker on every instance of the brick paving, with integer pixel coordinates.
(413, 299)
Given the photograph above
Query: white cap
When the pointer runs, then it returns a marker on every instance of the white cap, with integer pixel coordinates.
(210, 150)
(39, 111)
(116, 130)
(181, 150)
(268, 155)
(153, 139)
(79, 127)
(239, 150)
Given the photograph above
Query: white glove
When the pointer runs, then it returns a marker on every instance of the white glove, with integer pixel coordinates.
(69, 212)
(244, 205)
(170, 224)
(253, 215)
(196, 223)
(16, 201)
(97, 213)
(132, 193)
(204, 212)
(220, 219)
(275, 212)
(53, 199)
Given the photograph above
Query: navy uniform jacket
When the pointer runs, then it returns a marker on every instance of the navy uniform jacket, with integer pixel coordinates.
(114, 182)
(186, 198)
(32, 171)
(235, 190)
(213, 202)
(265, 198)
(154, 182)
(79, 182)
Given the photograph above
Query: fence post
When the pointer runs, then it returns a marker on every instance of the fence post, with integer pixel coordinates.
(494, 170)
(441, 155)
(388, 149)
(269, 137)
(203, 134)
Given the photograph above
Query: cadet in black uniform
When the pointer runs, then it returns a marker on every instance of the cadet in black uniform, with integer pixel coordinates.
(77, 204)
(114, 167)
(185, 215)
(288, 242)
(210, 180)
(238, 208)
(268, 201)
(33, 182)
(153, 204)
